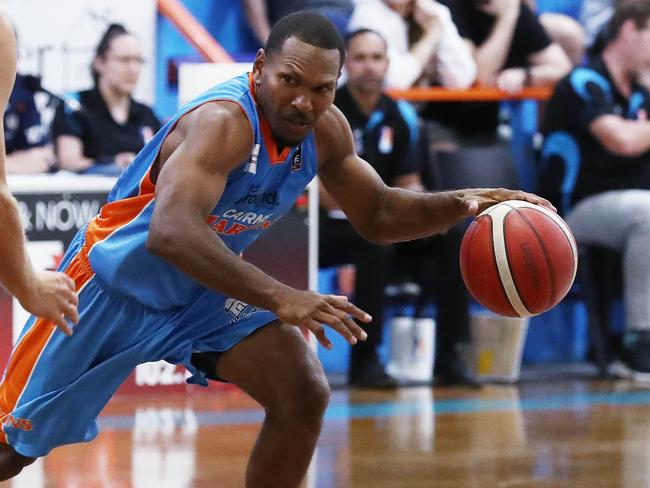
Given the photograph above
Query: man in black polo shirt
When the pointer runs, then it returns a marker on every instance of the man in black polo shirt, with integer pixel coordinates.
(384, 138)
(596, 164)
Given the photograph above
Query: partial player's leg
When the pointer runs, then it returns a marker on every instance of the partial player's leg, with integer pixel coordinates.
(276, 367)
(55, 386)
(12, 463)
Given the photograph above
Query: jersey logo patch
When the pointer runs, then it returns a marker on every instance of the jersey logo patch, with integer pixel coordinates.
(235, 307)
(296, 162)
(251, 167)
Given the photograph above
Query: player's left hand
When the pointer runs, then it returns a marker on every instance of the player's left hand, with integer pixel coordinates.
(475, 200)
(52, 296)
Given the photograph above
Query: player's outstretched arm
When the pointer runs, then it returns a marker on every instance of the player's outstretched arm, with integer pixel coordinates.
(48, 295)
(203, 149)
(382, 214)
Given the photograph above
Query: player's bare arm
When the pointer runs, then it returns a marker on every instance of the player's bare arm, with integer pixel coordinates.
(193, 170)
(48, 295)
(383, 214)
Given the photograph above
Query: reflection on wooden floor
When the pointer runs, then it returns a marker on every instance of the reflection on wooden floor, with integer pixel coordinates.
(560, 434)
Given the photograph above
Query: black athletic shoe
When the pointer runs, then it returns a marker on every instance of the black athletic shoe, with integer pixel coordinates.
(454, 373)
(635, 357)
(371, 375)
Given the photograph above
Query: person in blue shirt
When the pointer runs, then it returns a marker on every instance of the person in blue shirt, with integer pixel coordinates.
(160, 276)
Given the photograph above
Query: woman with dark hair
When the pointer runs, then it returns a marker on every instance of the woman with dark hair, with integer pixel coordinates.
(99, 131)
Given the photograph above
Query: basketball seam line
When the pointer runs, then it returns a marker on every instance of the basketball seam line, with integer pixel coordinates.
(546, 257)
(505, 274)
(496, 266)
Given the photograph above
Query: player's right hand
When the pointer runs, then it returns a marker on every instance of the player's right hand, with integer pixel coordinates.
(475, 200)
(52, 296)
(311, 310)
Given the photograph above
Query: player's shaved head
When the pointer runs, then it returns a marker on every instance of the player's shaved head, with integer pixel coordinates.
(310, 27)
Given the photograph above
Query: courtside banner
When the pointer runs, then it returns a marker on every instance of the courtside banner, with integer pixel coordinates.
(54, 208)
(57, 216)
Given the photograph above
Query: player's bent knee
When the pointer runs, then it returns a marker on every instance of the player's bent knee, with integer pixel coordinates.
(308, 401)
(12, 463)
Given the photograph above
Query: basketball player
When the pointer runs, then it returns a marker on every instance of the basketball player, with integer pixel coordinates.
(48, 295)
(159, 275)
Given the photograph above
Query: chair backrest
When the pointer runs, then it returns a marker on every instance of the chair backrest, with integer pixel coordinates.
(488, 166)
(558, 169)
(599, 283)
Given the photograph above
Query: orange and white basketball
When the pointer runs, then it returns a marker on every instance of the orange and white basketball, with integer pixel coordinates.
(518, 259)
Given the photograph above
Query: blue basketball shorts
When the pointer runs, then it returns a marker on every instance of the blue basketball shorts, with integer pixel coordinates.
(55, 386)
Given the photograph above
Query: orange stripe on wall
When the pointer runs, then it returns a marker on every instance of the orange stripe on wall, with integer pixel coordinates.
(26, 354)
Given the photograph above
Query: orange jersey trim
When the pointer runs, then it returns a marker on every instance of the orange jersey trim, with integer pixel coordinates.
(267, 134)
(114, 216)
(28, 351)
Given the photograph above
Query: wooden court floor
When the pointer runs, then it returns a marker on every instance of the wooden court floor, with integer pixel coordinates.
(537, 434)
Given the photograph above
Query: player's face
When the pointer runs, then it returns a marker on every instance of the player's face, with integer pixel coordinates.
(119, 68)
(366, 63)
(295, 87)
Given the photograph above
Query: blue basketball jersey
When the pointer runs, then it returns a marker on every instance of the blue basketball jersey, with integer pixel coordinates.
(258, 192)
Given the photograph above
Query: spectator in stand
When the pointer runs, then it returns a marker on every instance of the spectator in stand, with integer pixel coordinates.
(27, 140)
(423, 43)
(511, 50)
(511, 47)
(262, 14)
(594, 16)
(383, 136)
(564, 30)
(425, 48)
(596, 165)
(99, 131)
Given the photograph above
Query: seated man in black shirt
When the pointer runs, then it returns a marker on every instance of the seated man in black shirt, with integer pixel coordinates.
(596, 164)
(384, 139)
(385, 133)
(100, 131)
(511, 50)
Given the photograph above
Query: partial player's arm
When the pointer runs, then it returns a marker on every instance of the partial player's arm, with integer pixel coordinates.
(7, 78)
(204, 148)
(48, 295)
(382, 214)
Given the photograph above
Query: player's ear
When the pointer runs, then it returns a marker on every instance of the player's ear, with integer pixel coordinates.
(258, 65)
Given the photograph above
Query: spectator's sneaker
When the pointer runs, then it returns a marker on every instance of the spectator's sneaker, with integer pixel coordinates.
(635, 357)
